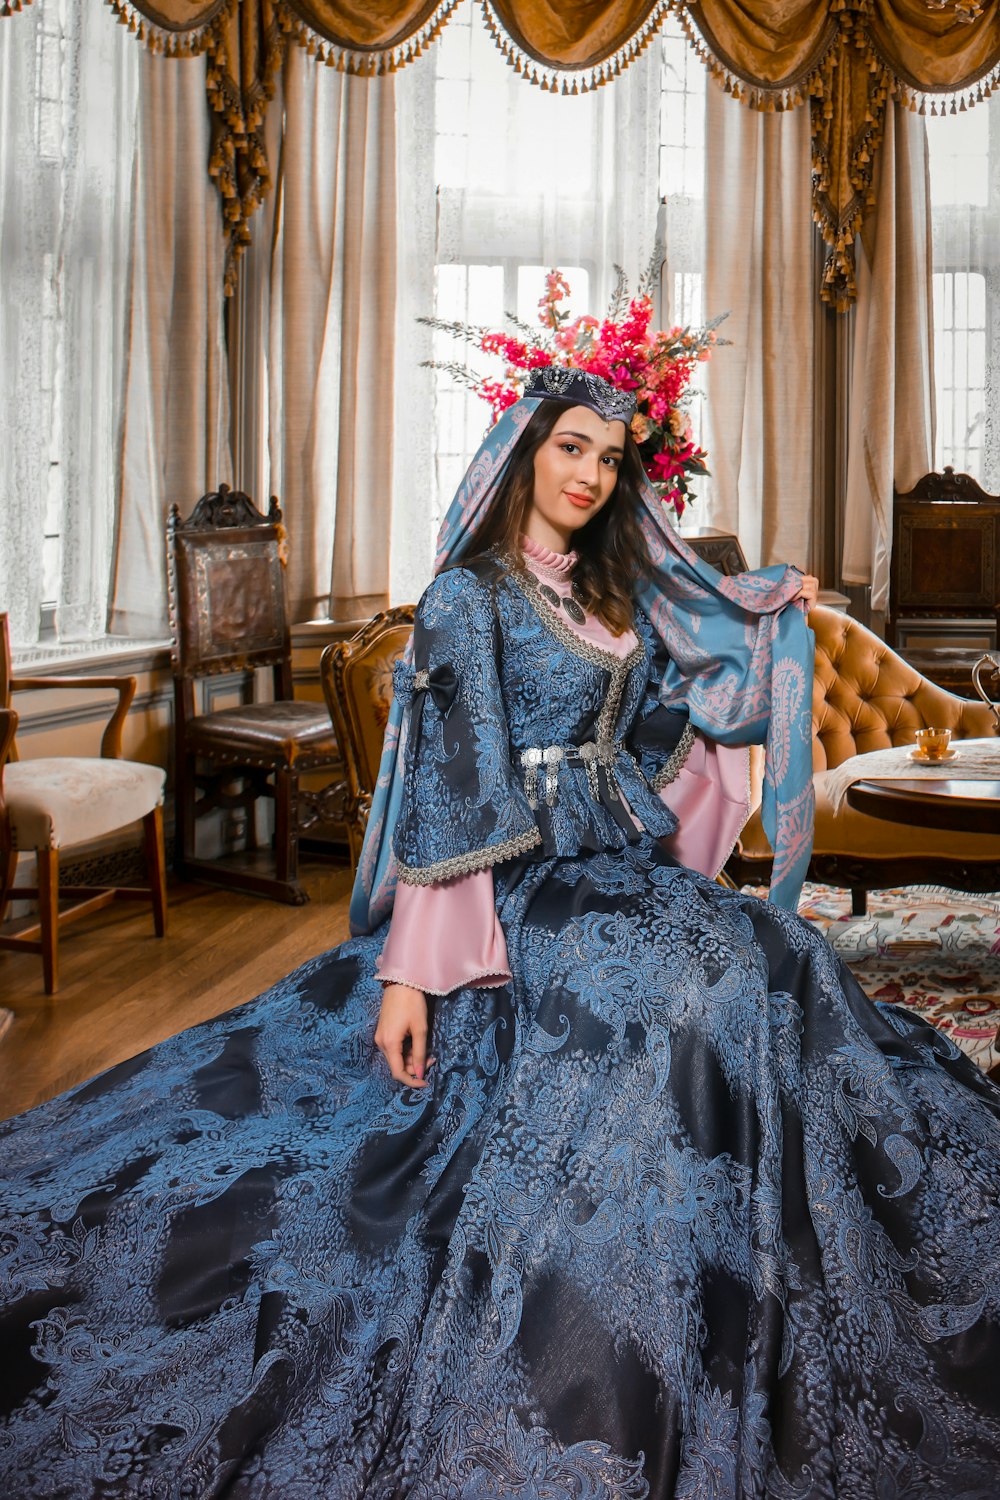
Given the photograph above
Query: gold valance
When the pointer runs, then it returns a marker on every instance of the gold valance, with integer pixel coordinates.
(847, 58)
(844, 58)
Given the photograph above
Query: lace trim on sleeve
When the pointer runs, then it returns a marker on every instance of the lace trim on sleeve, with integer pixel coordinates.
(474, 859)
(489, 979)
(669, 771)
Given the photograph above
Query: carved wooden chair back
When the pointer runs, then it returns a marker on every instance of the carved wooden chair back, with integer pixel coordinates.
(944, 573)
(357, 684)
(228, 615)
(227, 591)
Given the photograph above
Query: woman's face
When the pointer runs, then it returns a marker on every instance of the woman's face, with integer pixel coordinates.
(576, 470)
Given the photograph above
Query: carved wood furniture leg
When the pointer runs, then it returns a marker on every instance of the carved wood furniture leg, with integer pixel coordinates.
(354, 842)
(285, 831)
(8, 865)
(152, 828)
(185, 792)
(48, 916)
(859, 901)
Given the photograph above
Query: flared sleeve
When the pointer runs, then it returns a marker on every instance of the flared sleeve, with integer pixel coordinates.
(463, 807)
(444, 937)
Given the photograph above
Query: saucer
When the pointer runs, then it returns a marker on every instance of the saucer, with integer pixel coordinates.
(923, 759)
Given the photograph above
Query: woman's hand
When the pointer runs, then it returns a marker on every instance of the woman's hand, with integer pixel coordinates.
(401, 1033)
(808, 590)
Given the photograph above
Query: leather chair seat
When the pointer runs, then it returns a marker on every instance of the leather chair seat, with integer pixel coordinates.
(275, 734)
(55, 802)
(851, 833)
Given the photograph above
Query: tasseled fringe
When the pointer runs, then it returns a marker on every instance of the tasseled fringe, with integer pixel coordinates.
(926, 102)
(239, 152)
(840, 225)
(765, 98)
(363, 64)
(190, 43)
(559, 80)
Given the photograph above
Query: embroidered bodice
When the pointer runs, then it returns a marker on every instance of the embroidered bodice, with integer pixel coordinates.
(447, 933)
(522, 732)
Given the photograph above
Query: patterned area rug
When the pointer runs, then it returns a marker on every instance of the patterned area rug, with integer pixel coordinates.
(935, 951)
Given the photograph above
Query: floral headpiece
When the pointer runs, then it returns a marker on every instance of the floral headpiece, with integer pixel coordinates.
(650, 370)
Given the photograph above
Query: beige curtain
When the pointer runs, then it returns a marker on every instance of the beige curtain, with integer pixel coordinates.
(759, 266)
(176, 437)
(891, 437)
(328, 346)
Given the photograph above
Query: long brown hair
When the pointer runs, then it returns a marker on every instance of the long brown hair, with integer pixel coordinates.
(612, 556)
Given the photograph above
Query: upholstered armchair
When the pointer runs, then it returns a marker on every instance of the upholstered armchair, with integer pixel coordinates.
(53, 803)
(866, 697)
(357, 684)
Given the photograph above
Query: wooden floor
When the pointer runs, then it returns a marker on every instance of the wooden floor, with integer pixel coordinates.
(121, 988)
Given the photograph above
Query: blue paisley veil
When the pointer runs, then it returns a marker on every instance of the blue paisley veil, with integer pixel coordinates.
(740, 661)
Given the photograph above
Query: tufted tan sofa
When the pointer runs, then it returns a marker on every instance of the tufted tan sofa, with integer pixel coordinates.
(865, 697)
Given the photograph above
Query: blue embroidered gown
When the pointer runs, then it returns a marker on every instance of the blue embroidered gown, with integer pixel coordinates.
(682, 1213)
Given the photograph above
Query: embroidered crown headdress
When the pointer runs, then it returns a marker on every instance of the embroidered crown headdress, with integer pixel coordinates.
(581, 388)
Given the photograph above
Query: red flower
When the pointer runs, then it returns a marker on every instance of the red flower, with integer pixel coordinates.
(664, 466)
(656, 365)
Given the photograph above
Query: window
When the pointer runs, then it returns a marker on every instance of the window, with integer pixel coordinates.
(965, 198)
(68, 90)
(50, 83)
(682, 172)
(528, 180)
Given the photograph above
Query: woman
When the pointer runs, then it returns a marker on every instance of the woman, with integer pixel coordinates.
(670, 1209)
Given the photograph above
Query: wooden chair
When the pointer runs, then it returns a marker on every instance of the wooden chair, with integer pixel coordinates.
(228, 615)
(357, 684)
(50, 804)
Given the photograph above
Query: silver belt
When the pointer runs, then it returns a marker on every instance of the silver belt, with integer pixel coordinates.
(590, 755)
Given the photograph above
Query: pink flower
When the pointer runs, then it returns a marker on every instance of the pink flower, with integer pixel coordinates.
(499, 396)
(657, 365)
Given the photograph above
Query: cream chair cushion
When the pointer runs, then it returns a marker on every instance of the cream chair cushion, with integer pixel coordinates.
(57, 802)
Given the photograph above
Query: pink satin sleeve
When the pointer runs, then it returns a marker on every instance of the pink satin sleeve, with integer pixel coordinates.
(442, 937)
(711, 797)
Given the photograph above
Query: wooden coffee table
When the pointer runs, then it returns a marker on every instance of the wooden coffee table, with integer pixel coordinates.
(963, 806)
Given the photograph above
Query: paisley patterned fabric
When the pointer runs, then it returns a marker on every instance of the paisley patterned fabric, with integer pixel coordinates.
(522, 679)
(740, 668)
(681, 1213)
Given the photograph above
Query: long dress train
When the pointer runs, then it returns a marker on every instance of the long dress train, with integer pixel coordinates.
(681, 1214)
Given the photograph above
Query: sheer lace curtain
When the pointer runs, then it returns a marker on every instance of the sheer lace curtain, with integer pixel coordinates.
(68, 91)
(525, 181)
(175, 439)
